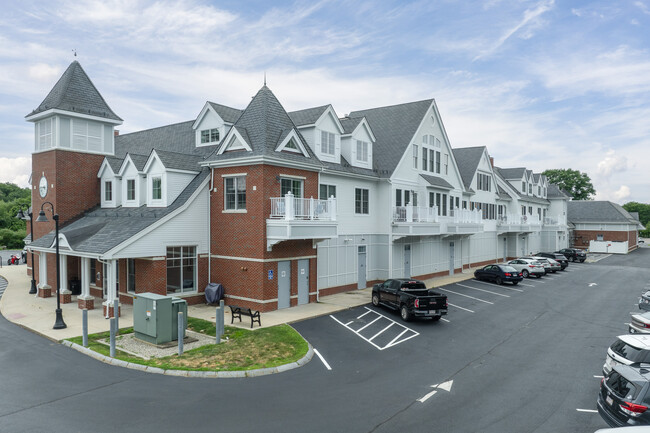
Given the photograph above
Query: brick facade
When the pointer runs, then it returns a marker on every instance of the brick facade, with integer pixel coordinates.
(581, 238)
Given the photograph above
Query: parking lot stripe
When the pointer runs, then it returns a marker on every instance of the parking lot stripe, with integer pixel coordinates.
(466, 309)
(368, 324)
(467, 296)
(598, 377)
(527, 285)
(587, 410)
(322, 359)
(363, 314)
(397, 338)
(393, 342)
(380, 332)
(492, 285)
(444, 320)
(483, 290)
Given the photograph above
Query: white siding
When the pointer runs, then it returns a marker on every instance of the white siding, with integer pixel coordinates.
(328, 123)
(176, 183)
(210, 120)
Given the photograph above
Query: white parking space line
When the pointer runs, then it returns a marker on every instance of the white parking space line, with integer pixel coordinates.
(467, 296)
(598, 377)
(322, 359)
(444, 320)
(483, 290)
(587, 410)
(367, 312)
(408, 332)
(462, 308)
(527, 285)
(492, 285)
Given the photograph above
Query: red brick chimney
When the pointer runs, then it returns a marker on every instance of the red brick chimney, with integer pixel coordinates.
(117, 132)
(491, 161)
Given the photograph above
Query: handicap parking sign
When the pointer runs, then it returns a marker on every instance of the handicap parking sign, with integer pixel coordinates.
(270, 274)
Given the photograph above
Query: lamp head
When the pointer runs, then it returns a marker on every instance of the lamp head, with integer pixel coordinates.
(41, 217)
(20, 215)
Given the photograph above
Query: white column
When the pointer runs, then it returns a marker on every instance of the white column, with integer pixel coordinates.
(42, 271)
(111, 288)
(332, 206)
(85, 279)
(288, 206)
(63, 265)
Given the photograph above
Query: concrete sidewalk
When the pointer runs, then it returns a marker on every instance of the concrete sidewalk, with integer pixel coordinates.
(37, 314)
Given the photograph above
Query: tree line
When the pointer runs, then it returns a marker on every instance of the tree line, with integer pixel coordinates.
(12, 229)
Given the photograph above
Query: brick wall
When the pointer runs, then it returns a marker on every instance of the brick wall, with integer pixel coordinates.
(582, 237)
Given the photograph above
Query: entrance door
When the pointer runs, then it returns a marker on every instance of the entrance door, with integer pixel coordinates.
(361, 267)
(451, 258)
(303, 282)
(284, 284)
(407, 261)
(523, 247)
(505, 249)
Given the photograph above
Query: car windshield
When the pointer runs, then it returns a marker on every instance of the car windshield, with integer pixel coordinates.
(631, 353)
(507, 268)
(621, 386)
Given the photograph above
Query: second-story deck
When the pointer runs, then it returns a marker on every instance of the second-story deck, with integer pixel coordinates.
(425, 221)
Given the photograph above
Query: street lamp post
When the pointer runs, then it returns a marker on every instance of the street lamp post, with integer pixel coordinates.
(21, 215)
(59, 323)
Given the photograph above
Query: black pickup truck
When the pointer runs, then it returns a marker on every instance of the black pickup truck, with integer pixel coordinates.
(410, 297)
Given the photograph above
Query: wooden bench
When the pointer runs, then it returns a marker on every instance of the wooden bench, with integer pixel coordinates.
(236, 311)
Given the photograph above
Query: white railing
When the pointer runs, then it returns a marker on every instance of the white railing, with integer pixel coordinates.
(512, 219)
(295, 208)
(467, 216)
(559, 219)
(410, 214)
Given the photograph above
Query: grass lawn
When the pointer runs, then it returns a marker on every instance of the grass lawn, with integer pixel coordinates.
(244, 349)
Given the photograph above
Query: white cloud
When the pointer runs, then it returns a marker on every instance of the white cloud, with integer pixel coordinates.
(612, 163)
(622, 193)
(44, 73)
(16, 170)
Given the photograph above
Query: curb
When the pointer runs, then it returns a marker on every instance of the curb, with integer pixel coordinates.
(193, 373)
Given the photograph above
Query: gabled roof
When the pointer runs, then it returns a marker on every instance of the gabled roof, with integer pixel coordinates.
(394, 127)
(74, 92)
(513, 173)
(349, 125)
(138, 160)
(308, 116)
(114, 163)
(468, 159)
(178, 137)
(592, 211)
(227, 114)
(263, 125)
(437, 181)
(554, 191)
(179, 161)
(101, 230)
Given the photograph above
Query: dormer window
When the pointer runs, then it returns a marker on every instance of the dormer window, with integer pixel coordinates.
(530, 188)
(328, 143)
(156, 188)
(130, 189)
(523, 187)
(44, 134)
(292, 146)
(108, 191)
(362, 151)
(210, 136)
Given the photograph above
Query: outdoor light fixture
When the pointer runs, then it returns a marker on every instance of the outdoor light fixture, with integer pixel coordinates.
(21, 215)
(59, 323)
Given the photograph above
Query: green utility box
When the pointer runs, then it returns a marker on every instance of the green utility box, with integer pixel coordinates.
(155, 317)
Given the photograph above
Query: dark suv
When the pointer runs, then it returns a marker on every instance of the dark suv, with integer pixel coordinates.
(624, 396)
(573, 254)
(561, 258)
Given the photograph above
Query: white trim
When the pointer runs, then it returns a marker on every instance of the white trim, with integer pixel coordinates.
(227, 142)
(234, 175)
(46, 113)
(234, 211)
(150, 159)
(292, 135)
(259, 159)
(67, 149)
(250, 259)
(207, 107)
(103, 167)
(257, 301)
(291, 176)
(178, 170)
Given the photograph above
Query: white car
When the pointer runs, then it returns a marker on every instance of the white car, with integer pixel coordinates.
(553, 266)
(527, 267)
(640, 323)
(628, 350)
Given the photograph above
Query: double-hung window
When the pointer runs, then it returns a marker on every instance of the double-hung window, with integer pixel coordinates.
(326, 191)
(362, 151)
(108, 191)
(291, 185)
(438, 162)
(327, 142)
(431, 160)
(235, 193)
(361, 204)
(415, 156)
(210, 135)
(181, 269)
(425, 154)
(130, 189)
(156, 188)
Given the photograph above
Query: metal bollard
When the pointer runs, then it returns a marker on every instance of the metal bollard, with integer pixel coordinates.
(222, 327)
(113, 332)
(116, 314)
(216, 325)
(84, 326)
(180, 333)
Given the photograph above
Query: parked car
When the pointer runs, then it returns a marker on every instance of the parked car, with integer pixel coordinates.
(549, 264)
(560, 258)
(499, 274)
(410, 297)
(527, 267)
(627, 350)
(640, 324)
(624, 396)
(644, 301)
(633, 429)
(573, 254)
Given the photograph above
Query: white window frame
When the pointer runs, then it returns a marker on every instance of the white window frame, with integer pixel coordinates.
(415, 156)
(327, 146)
(367, 201)
(210, 132)
(47, 137)
(153, 180)
(108, 190)
(363, 148)
(328, 189)
(236, 180)
(135, 190)
(182, 258)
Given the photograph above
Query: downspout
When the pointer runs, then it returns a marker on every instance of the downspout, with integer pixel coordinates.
(209, 226)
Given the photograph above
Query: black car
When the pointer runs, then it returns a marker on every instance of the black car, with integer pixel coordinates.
(499, 274)
(561, 258)
(644, 301)
(573, 254)
(624, 396)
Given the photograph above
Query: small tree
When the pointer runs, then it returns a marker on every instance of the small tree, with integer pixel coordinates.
(577, 184)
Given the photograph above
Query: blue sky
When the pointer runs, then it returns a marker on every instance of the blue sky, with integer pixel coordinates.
(543, 84)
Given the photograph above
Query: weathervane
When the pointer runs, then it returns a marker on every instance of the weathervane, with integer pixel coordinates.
(265, 78)
(74, 50)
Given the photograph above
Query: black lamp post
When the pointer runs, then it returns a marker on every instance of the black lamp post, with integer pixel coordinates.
(21, 215)
(59, 323)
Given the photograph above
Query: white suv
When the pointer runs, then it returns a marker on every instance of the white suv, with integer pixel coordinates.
(527, 267)
(629, 350)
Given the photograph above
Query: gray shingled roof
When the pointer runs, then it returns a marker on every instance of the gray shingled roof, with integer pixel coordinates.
(503, 194)
(227, 114)
(308, 116)
(139, 160)
(394, 128)
(346, 167)
(437, 181)
(75, 92)
(513, 173)
(349, 125)
(554, 191)
(179, 161)
(263, 124)
(100, 230)
(178, 137)
(467, 159)
(586, 211)
(114, 163)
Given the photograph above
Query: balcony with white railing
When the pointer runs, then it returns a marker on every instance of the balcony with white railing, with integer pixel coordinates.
(424, 221)
(293, 217)
(463, 221)
(558, 220)
(512, 223)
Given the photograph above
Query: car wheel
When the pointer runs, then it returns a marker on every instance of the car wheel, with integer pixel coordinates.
(524, 273)
(436, 318)
(375, 299)
(582, 261)
(498, 281)
(404, 312)
(554, 271)
(514, 283)
(539, 275)
(572, 259)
